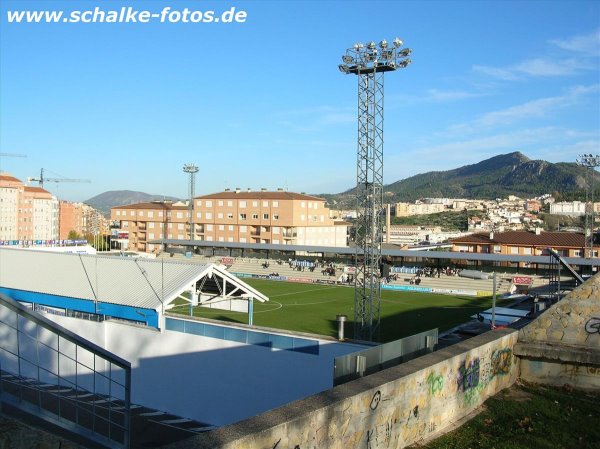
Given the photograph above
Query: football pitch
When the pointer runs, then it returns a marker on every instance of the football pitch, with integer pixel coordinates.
(313, 308)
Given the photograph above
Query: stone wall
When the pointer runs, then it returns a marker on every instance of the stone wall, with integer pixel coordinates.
(563, 344)
(390, 409)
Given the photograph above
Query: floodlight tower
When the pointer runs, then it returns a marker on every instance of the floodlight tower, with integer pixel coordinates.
(590, 162)
(369, 63)
(192, 169)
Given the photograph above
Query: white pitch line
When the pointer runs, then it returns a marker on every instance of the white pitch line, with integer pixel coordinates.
(303, 291)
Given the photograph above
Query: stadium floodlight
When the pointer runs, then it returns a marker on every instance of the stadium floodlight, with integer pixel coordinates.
(192, 169)
(370, 64)
(590, 162)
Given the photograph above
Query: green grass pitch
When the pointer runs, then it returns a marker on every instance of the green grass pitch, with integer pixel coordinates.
(313, 308)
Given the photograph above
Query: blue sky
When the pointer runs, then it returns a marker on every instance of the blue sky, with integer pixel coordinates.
(262, 103)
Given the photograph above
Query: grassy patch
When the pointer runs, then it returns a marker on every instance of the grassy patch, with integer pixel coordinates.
(530, 417)
(313, 308)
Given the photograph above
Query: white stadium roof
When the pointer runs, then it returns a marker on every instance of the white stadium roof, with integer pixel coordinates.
(125, 281)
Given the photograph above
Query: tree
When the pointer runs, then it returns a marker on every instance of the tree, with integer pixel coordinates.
(73, 235)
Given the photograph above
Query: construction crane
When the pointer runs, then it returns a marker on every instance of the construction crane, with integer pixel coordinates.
(12, 155)
(42, 179)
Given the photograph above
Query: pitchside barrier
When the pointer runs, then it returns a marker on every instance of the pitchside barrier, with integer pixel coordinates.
(368, 361)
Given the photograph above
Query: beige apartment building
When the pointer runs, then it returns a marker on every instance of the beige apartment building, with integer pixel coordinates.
(135, 225)
(280, 218)
(276, 217)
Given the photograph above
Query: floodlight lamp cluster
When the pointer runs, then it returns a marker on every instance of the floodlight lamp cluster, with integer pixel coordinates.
(371, 57)
(190, 168)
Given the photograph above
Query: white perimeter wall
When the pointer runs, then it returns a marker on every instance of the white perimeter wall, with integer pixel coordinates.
(214, 381)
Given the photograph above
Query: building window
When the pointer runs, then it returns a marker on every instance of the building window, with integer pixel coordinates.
(220, 203)
(309, 205)
(209, 215)
(265, 216)
(275, 216)
(219, 215)
(302, 217)
(275, 229)
(265, 204)
(302, 204)
(118, 213)
(254, 203)
(231, 227)
(141, 213)
(275, 203)
(160, 214)
(209, 238)
(230, 216)
(230, 239)
(243, 228)
(275, 242)
(151, 235)
(151, 225)
(179, 215)
(242, 217)
(242, 204)
(199, 203)
(209, 227)
(221, 227)
(150, 214)
(199, 215)
(229, 203)
(255, 216)
(180, 226)
(243, 240)
(209, 204)
(132, 213)
(514, 250)
(221, 239)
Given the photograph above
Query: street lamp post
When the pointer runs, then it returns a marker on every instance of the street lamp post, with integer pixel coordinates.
(369, 62)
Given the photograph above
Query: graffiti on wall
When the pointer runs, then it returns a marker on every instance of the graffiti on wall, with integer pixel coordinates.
(501, 362)
(435, 383)
(468, 375)
(593, 326)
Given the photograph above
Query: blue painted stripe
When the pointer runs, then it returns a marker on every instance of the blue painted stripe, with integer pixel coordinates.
(147, 316)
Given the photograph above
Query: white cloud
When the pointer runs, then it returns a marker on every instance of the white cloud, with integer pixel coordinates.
(587, 43)
(580, 49)
(448, 95)
(532, 109)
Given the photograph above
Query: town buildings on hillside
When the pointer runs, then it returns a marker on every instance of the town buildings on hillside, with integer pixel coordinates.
(276, 217)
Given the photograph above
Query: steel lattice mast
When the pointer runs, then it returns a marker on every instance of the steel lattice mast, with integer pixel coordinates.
(192, 169)
(590, 162)
(370, 63)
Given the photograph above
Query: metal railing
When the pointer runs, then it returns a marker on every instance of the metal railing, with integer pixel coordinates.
(55, 375)
(368, 361)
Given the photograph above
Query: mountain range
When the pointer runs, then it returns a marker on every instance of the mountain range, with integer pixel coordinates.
(112, 198)
(496, 177)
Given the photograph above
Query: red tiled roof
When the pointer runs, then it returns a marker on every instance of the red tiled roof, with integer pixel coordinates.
(157, 206)
(525, 238)
(262, 195)
(7, 177)
(36, 189)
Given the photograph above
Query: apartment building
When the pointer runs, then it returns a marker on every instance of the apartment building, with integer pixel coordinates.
(135, 225)
(573, 208)
(408, 209)
(26, 213)
(276, 217)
